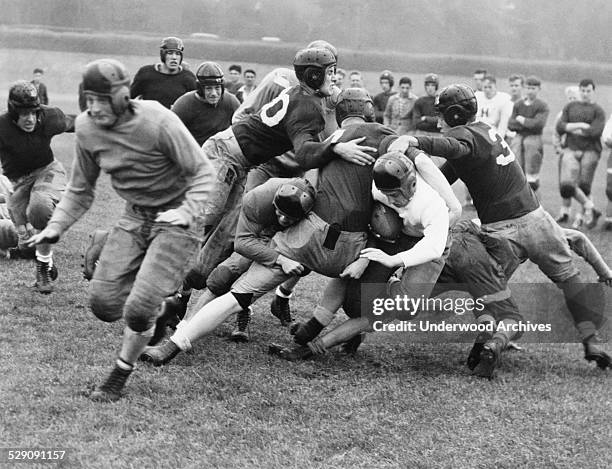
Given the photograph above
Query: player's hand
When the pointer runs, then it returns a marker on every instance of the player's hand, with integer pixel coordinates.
(173, 217)
(607, 279)
(289, 266)
(354, 153)
(402, 143)
(355, 269)
(381, 257)
(317, 347)
(46, 236)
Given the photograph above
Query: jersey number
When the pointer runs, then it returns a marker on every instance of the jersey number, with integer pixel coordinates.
(273, 112)
(506, 155)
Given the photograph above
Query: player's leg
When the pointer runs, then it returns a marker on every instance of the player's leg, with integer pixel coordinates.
(17, 204)
(588, 165)
(566, 202)
(533, 151)
(164, 265)
(45, 194)
(569, 179)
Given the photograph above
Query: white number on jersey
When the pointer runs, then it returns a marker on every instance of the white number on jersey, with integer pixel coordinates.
(506, 156)
(278, 106)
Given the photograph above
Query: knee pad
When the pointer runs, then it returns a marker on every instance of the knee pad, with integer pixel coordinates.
(140, 319)
(220, 280)
(567, 189)
(194, 280)
(535, 185)
(39, 210)
(243, 299)
(585, 187)
(104, 304)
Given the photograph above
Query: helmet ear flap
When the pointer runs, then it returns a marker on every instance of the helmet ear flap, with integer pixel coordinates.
(455, 115)
(314, 77)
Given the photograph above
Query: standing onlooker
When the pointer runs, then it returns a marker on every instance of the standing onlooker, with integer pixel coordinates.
(339, 78)
(424, 116)
(582, 122)
(233, 83)
(167, 80)
(528, 119)
(495, 107)
(356, 80)
(572, 93)
(380, 100)
(398, 114)
(606, 137)
(249, 85)
(37, 75)
(479, 75)
(516, 82)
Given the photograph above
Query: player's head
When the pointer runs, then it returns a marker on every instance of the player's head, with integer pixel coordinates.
(572, 93)
(385, 223)
(489, 86)
(315, 68)
(405, 85)
(356, 79)
(432, 82)
(516, 82)
(479, 75)
(587, 90)
(171, 52)
(322, 44)
(354, 102)
(395, 176)
(533, 85)
(235, 71)
(386, 80)
(37, 74)
(456, 104)
(211, 83)
(24, 105)
(106, 87)
(249, 77)
(293, 201)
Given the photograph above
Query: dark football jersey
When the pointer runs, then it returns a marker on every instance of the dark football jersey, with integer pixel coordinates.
(23, 152)
(484, 162)
(291, 121)
(344, 190)
(149, 83)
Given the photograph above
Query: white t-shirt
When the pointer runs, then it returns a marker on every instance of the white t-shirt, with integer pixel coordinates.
(495, 111)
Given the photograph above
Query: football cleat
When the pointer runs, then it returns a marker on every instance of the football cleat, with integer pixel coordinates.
(578, 221)
(591, 217)
(279, 307)
(242, 331)
(307, 331)
(110, 389)
(474, 355)
(43, 278)
(563, 217)
(592, 352)
(489, 360)
(161, 354)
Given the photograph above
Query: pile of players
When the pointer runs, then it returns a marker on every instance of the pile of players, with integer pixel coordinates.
(188, 222)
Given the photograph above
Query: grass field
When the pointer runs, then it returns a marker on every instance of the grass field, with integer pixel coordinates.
(396, 404)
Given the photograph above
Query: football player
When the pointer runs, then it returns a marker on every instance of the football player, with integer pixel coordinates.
(328, 241)
(157, 167)
(208, 110)
(508, 207)
(167, 80)
(38, 179)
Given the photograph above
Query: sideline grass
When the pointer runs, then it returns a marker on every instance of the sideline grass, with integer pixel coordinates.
(228, 405)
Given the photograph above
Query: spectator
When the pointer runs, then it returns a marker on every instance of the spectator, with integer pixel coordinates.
(386, 81)
(37, 75)
(340, 76)
(356, 79)
(249, 85)
(398, 113)
(233, 83)
(495, 107)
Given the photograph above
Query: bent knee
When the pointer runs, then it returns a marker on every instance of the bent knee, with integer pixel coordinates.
(39, 211)
(104, 302)
(567, 189)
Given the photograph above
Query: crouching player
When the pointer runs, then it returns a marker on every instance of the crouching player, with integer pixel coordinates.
(158, 168)
(38, 180)
(266, 209)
